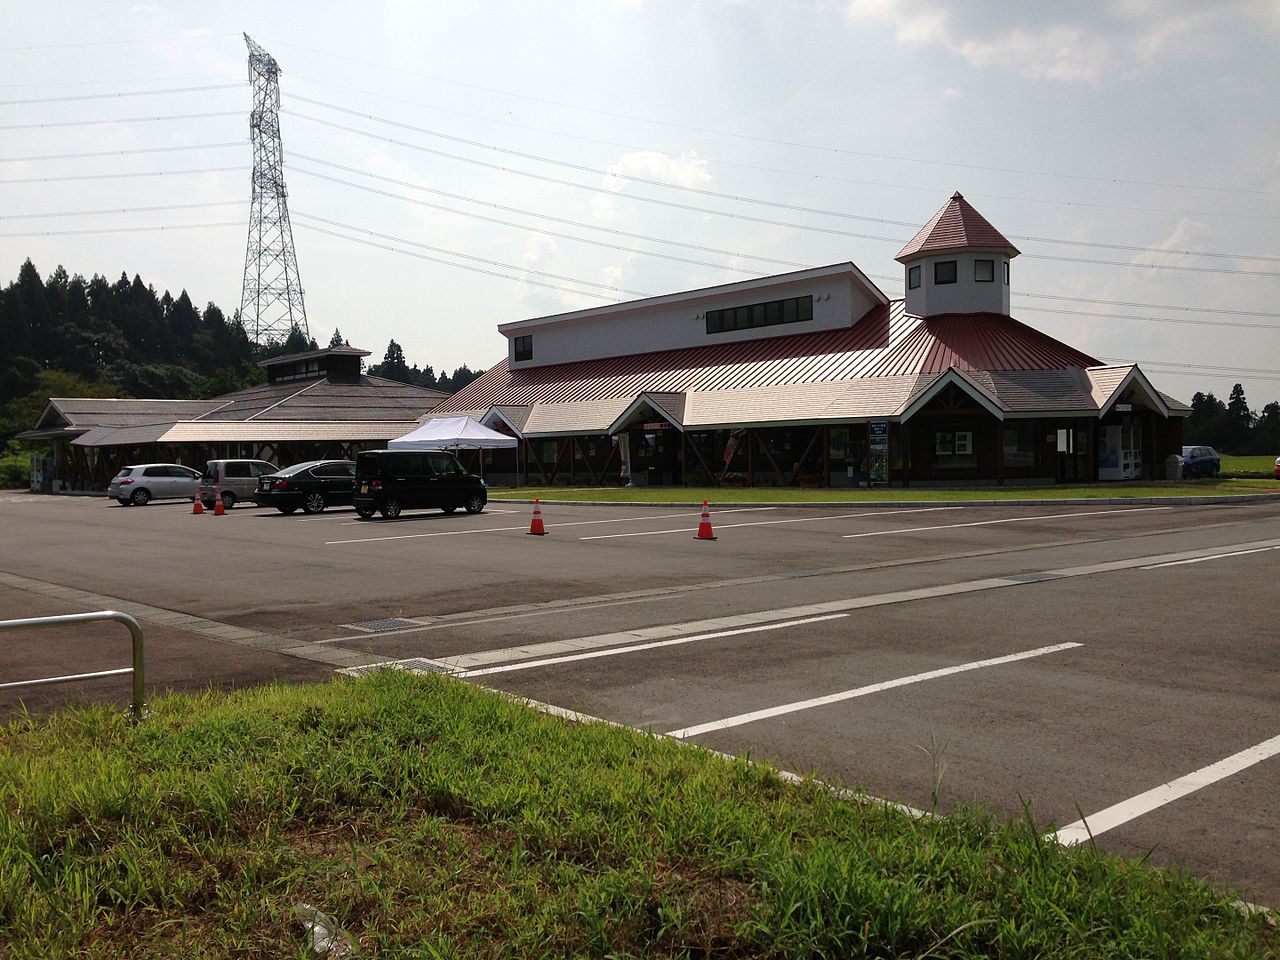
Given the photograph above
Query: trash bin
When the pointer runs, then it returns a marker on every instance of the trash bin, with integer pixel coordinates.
(1173, 467)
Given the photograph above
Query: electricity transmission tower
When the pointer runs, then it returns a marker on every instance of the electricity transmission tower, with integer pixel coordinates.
(271, 298)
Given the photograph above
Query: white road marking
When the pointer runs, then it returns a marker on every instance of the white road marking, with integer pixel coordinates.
(1215, 556)
(986, 523)
(1121, 813)
(764, 523)
(797, 706)
(636, 647)
(550, 524)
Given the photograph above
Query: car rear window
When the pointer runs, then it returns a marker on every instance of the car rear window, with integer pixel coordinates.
(368, 465)
(210, 471)
(125, 471)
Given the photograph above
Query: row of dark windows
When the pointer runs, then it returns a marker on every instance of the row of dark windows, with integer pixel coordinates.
(944, 272)
(791, 310)
(524, 347)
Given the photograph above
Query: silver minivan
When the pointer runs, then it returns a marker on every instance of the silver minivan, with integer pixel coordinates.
(232, 480)
(139, 484)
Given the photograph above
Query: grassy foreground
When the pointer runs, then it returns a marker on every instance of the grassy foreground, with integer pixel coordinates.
(435, 819)
(695, 495)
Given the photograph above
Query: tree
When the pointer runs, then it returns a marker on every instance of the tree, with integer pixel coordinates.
(336, 339)
(393, 366)
(1239, 421)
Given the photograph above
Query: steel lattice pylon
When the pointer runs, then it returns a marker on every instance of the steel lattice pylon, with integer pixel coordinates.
(271, 298)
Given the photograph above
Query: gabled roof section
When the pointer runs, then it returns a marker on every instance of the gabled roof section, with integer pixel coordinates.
(956, 226)
(1110, 383)
(669, 406)
(966, 382)
(741, 286)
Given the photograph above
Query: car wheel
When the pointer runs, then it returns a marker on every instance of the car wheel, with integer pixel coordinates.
(364, 513)
(286, 510)
(390, 508)
(140, 498)
(228, 500)
(123, 501)
(449, 509)
(475, 503)
(313, 502)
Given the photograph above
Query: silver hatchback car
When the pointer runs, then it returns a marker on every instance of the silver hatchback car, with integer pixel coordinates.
(139, 484)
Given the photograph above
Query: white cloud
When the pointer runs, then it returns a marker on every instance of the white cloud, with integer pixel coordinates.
(952, 93)
(1083, 43)
(686, 170)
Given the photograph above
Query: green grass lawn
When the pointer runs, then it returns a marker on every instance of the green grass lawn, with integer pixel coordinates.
(1265, 464)
(431, 818)
(695, 495)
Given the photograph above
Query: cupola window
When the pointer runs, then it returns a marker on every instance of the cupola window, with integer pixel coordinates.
(524, 347)
(944, 271)
(984, 271)
(913, 277)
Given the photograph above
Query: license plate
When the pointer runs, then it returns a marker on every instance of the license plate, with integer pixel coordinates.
(364, 488)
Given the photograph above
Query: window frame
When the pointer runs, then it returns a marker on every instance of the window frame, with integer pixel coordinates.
(914, 278)
(937, 274)
(522, 347)
(991, 265)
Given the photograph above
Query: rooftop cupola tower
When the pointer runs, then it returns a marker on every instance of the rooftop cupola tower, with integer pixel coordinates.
(957, 263)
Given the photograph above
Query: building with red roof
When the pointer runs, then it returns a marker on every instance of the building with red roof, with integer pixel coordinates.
(817, 377)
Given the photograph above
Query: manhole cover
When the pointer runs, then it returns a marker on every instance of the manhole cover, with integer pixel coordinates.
(387, 623)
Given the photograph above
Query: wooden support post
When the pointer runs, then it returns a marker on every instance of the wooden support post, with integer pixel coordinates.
(800, 462)
(751, 463)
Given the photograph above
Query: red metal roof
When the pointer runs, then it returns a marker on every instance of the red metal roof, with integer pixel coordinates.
(886, 342)
(955, 226)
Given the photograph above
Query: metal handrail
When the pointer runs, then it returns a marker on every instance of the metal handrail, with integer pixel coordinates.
(138, 706)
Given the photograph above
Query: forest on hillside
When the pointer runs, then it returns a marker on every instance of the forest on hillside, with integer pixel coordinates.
(65, 336)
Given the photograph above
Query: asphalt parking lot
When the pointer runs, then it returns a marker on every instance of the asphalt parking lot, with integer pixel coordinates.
(1113, 662)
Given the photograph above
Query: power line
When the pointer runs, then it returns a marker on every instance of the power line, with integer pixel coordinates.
(576, 223)
(1150, 306)
(123, 93)
(1273, 328)
(121, 153)
(1198, 366)
(738, 198)
(90, 213)
(719, 213)
(166, 226)
(779, 170)
(122, 120)
(100, 80)
(114, 43)
(467, 256)
(121, 176)
(786, 143)
(532, 228)
(450, 263)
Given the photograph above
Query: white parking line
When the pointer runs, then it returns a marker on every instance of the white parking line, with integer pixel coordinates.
(566, 523)
(1215, 556)
(1121, 813)
(636, 647)
(765, 523)
(797, 706)
(987, 523)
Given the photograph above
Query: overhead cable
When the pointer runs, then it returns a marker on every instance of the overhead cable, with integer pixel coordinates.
(467, 256)
(117, 43)
(124, 93)
(91, 213)
(805, 174)
(121, 153)
(142, 229)
(121, 120)
(450, 263)
(840, 151)
(819, 211)
(719, 213)
(122, 176)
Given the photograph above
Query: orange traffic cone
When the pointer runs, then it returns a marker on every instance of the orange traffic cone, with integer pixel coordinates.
(704, 525)
(196, 506)
(536, 528)
(218, 509)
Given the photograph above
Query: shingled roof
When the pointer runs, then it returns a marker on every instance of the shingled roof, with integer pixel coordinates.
(956, 226)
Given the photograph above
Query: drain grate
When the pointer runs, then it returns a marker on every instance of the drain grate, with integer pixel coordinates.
(387, 623)
(412, 665)
(1033, 577)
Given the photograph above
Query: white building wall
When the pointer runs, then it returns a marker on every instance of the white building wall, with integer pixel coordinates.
(836, 304)
(966, 295)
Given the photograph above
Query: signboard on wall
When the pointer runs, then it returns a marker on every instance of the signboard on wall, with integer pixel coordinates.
(878, 452)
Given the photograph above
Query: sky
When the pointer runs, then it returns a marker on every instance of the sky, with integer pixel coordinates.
(451, 167)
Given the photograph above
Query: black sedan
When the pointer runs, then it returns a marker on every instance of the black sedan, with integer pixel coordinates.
(312, 486)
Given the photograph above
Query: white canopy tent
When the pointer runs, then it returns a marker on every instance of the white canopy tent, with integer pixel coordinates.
(452, 433)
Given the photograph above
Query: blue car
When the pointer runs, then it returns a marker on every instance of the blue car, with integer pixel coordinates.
(1200, 462)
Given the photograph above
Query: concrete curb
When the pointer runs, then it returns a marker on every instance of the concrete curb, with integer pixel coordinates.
(845, 504)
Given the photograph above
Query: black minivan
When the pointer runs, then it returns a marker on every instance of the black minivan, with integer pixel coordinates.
(389, 481)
